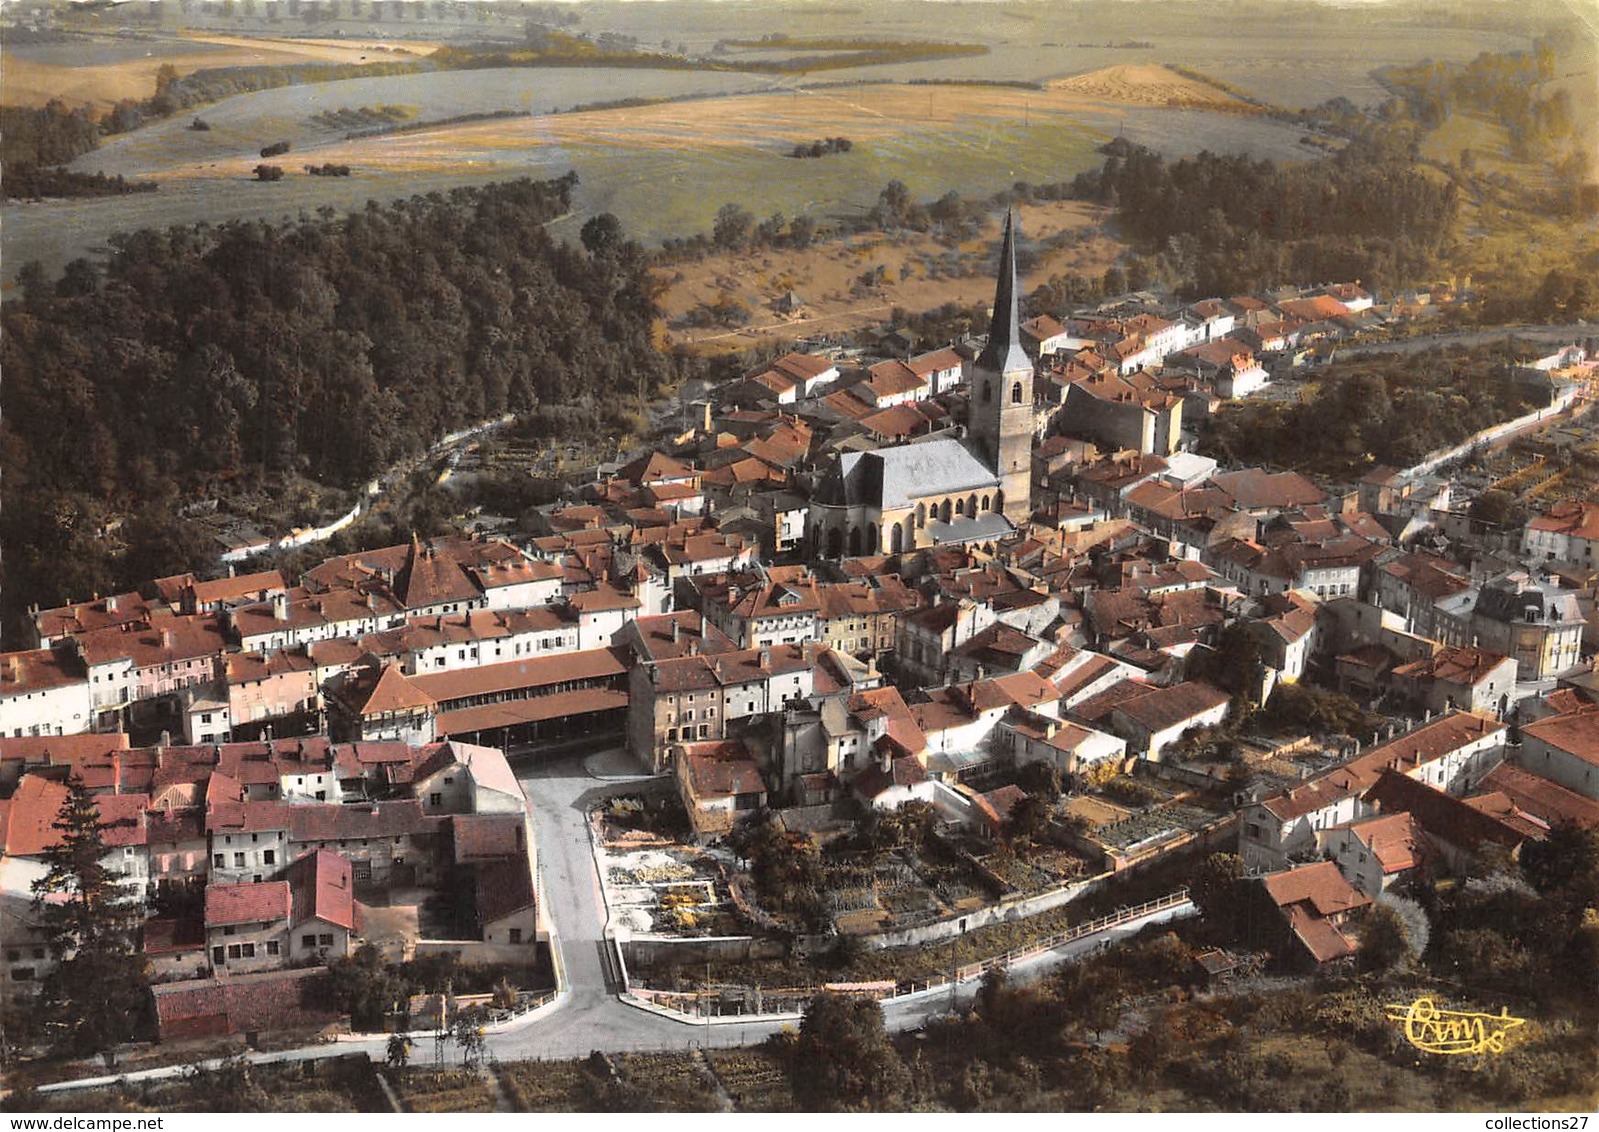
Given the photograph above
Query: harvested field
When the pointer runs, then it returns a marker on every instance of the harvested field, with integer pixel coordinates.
(33, 76)
(1144, 84)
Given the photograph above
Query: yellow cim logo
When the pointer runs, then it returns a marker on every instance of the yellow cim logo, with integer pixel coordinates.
(1452, 1032)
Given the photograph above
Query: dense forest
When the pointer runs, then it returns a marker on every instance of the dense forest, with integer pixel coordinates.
(1374, 410)
(205, 360)
(1229, 224)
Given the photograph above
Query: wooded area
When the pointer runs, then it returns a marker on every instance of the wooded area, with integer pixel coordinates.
(202, 360)
(1227, 225)
(1377, 410)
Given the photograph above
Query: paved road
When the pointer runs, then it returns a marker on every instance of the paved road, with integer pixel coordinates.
(590, 1016)
(1574, 332)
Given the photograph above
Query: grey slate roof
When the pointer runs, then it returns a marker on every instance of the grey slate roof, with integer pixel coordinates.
(897, 477)
(983, 527)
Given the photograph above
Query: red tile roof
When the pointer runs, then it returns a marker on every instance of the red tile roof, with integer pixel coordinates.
(535, 672)
(502, 888)
(721, 770)
(264, 903)
(321, 889)
(244, 1003)
(1577, 734)
(393, 691)
(1320, 887)
(1423, 745)
(482, 837)
(34, 806)
(333, 821)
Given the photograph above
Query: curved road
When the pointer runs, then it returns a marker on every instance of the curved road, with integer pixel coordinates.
(590, 1016)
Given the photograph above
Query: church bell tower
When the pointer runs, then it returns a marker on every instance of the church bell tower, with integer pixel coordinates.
(1001, 386)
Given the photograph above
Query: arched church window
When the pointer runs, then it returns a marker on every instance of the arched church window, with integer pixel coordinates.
(1016, 394)
(921, 515)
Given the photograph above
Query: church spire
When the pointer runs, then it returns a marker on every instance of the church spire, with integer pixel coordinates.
(1004, 353)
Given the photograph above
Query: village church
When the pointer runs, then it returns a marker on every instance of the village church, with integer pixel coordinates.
(944, 490)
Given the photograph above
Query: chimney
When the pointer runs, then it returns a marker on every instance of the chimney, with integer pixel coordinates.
(1050, 728)
(280, 607)
(766, 658)
(166, 638)
(677, 631)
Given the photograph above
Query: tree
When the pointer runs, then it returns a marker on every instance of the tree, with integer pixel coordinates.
(601, 233)
(1213, 887)
(364, 987)
(1566, 863)
(1235, 664)
(469, 1036)
(399, 1051)
(1384, 940)
(1497, 508)
(95, 996)
(1028, 818)
(843, 1057)
(732, 226)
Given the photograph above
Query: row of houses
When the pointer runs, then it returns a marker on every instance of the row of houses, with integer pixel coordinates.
(251, 858)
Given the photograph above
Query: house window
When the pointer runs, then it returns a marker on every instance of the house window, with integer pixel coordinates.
(22, 974)
(216, 956)
(435, 799)
(269, 857)
(308, 940)
(516, 935)
(325, 939)
(219, 861)
(238, 860)
(272, 947)
(233, 951)
(248, 950)
(448, 781)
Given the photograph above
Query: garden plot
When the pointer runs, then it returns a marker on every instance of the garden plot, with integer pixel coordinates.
(1141, 830)
(673, 890)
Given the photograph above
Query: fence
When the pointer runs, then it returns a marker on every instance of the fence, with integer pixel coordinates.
(736, 1001)
(1559, 404)
(1049, 943)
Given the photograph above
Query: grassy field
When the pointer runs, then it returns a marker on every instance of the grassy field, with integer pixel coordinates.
(921, 273)
(663, 169)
